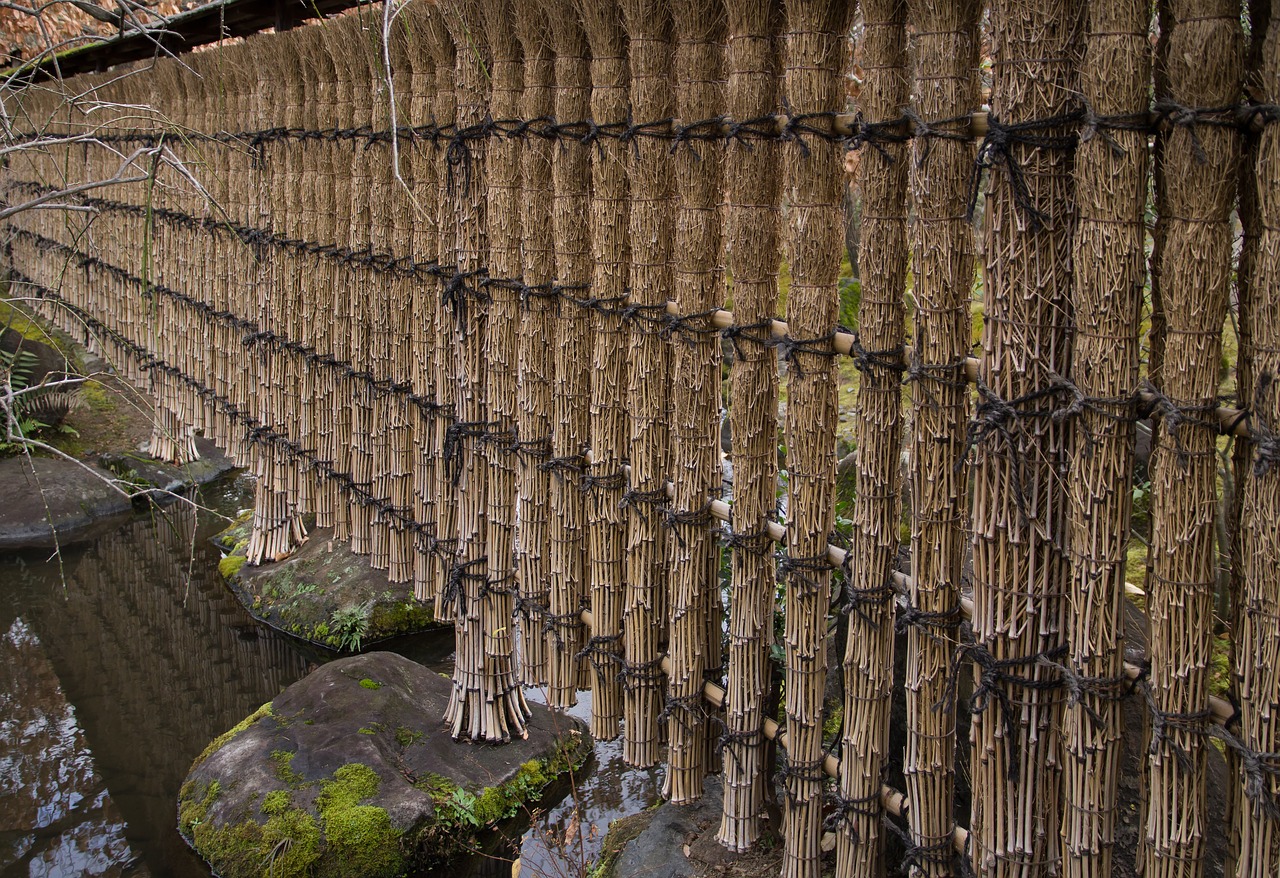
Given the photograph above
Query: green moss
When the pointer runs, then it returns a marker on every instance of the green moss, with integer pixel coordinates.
(226, 736)
(407, 617)
(284, 767)
(276, 802)
(230, 565)
(361, 839)
(370, 684)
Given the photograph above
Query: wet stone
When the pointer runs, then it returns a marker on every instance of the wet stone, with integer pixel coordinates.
(351, 771)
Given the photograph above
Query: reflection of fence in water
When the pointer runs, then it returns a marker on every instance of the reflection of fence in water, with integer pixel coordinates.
(350, 285)
(158, 660)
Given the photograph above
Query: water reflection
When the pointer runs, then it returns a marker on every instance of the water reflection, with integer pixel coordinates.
(157, 659)
(122, 663)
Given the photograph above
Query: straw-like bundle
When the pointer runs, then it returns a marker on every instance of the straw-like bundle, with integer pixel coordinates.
(1019, 508)
(1110, 267)
(873, 549)
(751, 234)
(944, 92)
(502, 169)
(695, 398)
(1199, 163)
(537, 362)
(1258, 634)
(420, 161)
(644, 616)
(570, 433)
(610, 255)
(444, 111)
(812, 64)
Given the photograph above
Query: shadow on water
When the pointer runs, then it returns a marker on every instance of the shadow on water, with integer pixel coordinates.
(117, 668)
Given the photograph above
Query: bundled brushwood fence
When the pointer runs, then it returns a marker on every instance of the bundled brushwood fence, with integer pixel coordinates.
(481, 285)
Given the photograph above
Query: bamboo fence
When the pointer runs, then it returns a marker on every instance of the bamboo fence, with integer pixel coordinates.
(491, 337)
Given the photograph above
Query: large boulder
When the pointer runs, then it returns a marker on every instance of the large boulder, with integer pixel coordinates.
(351, 772)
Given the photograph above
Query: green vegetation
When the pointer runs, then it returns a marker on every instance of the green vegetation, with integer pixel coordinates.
(370, 684)
(229, 566)
(218, 742)
(284, 767)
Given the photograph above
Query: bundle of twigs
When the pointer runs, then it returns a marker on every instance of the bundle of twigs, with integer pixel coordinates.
(873, 549)
(752, 255)
(444, 111)
(537, 361)
(1019, 508)
(812, 63)
(502, 170)
(570, 168)
(648, 26)
(695, 398)
(608, 532)
(943, 94)
(1109, 270)
(420, 168)
(1199, 158)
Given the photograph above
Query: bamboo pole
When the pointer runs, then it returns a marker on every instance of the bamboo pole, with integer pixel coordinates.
(1204, 71)
(648, 25)
(812, 63)
(1109, 271)
(752, 252)
(569, 428)
(945, 88)
(869, 649)
(695, 398)
(537, 363)
(611, 258)
(1258, 638)
(1019, 509)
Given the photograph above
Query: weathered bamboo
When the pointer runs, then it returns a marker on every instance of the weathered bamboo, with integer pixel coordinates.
(815, 45)
(1258, 649)
(537, 363)
(1109, 271)
(1019, 510)
(444, 112)
(945, 89)
(502, 170)
(695, 398)
(648, 25)
(1204, 71)
(882, 260)
(420, 157)
(610, 254)
(569, 429)
(752, 255)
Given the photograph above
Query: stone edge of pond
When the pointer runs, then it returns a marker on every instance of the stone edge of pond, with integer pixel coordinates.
(383, 799)
(323, 594)
(57, 502)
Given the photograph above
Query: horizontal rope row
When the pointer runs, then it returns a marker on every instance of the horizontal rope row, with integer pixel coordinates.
(850, 128)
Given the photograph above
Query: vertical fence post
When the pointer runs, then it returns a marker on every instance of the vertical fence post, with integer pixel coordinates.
(644, 612)
(877, 437)
(814, 89)
(1109, 264)
(751, 245)
(944, 93)
(1200, 153)
(1019, 510)
(695, 396)
(606, 478)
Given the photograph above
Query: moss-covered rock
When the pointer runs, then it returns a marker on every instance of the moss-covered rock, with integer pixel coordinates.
(322, 594)
(350, 772)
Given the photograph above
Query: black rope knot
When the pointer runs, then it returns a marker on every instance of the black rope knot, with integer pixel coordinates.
(996, 150)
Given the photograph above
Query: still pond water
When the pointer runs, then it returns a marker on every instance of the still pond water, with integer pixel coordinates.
(119, 664)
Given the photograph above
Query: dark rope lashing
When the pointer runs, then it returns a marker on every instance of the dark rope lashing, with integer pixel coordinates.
(1180, 116)
(996, 150)
(460, 573)
(938, 853)
(878, 135)
(994, 675)
(458, 157)
(1095, 125)
(953, 128)
(454, 436)
(1266, 442)
(798, 126)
